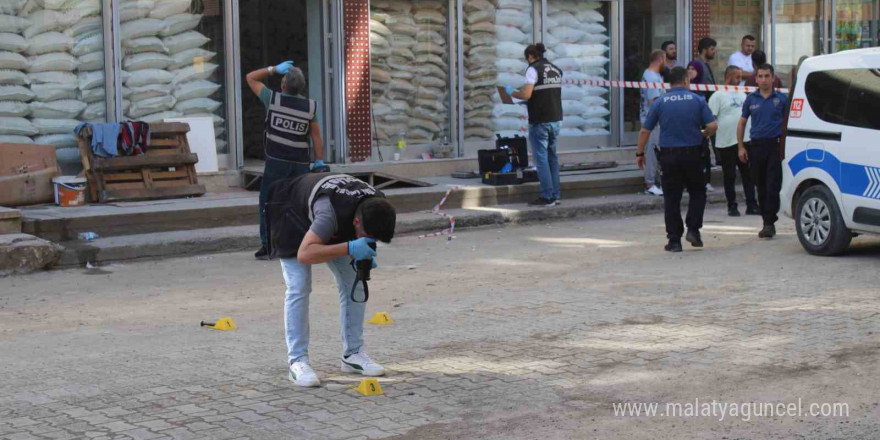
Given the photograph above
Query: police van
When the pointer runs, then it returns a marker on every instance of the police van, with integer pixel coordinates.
(831, 170)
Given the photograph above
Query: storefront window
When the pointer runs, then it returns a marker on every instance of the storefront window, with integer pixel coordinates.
(495, 38)
(170, 67)
(647, 25)
(51, 73)
(577, 43)
(729, 22)
(410, 71)
(797, 34)
(853, 24)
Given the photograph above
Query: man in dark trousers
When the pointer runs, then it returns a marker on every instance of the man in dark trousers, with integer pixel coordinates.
(767, 108)
(543, 91)
(290, 125)
(334, 219)
(682, 115)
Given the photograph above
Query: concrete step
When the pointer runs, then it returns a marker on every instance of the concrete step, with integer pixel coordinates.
(241, 238)
(10, 221)
(240, 208)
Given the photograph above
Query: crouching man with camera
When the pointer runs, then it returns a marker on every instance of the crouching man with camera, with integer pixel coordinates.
(333, 219)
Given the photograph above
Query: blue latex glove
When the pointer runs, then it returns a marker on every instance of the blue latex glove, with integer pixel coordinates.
(509, 90)
(360, 249)
(508, 167)
(284, 67)
(318, 163)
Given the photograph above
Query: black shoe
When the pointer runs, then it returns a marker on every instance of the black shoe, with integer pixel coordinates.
(540, 201)
(673, 246)
(262, 254)
(693, 237)
(768, 232)
(753, 210)
(733, 211)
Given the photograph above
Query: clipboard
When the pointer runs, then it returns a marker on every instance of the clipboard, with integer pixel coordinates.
(505, 98)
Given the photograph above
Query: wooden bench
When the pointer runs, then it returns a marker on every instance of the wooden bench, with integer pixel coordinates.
(166, 170)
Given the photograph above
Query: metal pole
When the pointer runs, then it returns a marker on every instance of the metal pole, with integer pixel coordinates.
(773, 60)
(232, 47)
(833, 27)
(616, 16)
(459, 52)
(339, 82)
(112, 61)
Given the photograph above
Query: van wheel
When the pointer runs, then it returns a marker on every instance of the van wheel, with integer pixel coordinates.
(820, 226)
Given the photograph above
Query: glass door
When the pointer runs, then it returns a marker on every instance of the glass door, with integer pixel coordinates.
(799, 32)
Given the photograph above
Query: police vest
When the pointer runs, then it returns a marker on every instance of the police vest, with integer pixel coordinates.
(289, 205)
(287, 128)
(545, 105)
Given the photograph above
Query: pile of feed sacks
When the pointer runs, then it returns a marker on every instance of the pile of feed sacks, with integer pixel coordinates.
(409, 70)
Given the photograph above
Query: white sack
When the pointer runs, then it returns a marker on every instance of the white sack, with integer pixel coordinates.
(14, 108)
(511, 65)
(49, 42)
(184, 41)
(15, 139)
(570, 132)
(17, 126)
(92, 95)
(90, 80)
(509, 49)
(53, 77)
(151, 106)
(133, 10)
(194, 72)
(91, 61)
(12, 60)
(54, 126)
(11, 23)
(12, 42)
(159, 117)
(45, 21)
(190, 57)
(146, 60)
(146, 44)
(142, 27)
(53, 92)
(14, 77)
(66, 141)
(167, 8)
(510, 33)
(63, 109)
(86, 26)
(180, 23)
(94, 111)
(92, 43)
(148, 76)
(149, 91)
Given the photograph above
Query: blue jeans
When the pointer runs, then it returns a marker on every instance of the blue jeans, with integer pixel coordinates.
(298, 278)
(543, 138)
(273, 171)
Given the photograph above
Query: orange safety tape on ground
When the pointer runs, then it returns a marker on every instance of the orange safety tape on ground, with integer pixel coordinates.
(436, 211)
(655, 85)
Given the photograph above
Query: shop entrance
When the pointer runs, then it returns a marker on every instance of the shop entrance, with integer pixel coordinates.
(272, 31)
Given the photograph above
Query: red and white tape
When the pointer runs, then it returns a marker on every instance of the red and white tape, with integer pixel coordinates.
(655, 85)
(436, 211)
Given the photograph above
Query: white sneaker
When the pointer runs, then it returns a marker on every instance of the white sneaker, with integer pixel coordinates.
(709, 187)
(301, 373)
(654, 190)
(362, 364)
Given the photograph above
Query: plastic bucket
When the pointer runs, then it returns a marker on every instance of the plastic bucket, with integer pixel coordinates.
(69, 190)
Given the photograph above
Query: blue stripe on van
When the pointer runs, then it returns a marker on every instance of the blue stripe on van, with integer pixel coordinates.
(852, 179)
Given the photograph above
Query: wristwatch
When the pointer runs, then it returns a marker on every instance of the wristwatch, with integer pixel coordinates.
(640, 154)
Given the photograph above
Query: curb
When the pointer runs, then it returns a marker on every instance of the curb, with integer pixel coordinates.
(241, 238)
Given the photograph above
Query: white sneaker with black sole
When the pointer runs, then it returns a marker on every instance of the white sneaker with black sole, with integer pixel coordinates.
(301, 373)
(654, 191)
(361, 364)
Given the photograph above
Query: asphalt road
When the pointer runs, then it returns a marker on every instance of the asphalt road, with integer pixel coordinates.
(516, 332)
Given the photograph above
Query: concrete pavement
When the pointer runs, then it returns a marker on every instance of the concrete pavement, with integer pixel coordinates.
(520, 331)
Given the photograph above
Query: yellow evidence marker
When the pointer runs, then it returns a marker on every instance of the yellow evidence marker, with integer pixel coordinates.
(369, 387)
(221, 324)
(381, 318)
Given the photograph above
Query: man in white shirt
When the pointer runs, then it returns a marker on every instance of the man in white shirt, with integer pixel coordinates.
(727, 108)
(743, 58)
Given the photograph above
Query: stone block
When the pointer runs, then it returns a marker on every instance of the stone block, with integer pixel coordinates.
(22, 253)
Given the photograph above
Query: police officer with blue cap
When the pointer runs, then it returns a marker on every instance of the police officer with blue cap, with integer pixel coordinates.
(290, 125)
(685, 120)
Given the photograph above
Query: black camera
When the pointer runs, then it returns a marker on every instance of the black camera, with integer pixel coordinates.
(363, 268)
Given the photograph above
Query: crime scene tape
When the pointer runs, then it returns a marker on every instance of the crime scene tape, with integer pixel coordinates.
(436, 211)
(655, 85)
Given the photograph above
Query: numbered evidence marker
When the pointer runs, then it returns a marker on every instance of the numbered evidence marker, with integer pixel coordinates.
(369, 387)
(221, 324)
(381, 318)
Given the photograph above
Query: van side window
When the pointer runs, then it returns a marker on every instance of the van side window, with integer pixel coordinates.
(846, 96)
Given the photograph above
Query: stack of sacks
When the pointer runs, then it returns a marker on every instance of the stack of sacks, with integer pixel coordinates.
(513, 27)
(14, 81)
(166, 69)
(578, 41)
(409, 50)
(480, 40)
(52, 69)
